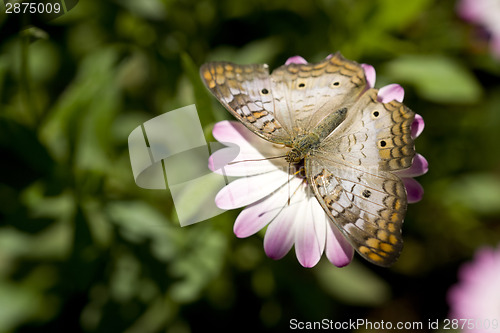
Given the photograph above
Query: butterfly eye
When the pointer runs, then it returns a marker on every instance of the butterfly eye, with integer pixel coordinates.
(336, 84)
(264, 91)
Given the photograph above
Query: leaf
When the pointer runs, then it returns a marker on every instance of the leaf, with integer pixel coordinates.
(354, 284)
(255, 52)
(478, 192)
(150, 9)
(79, 124)
(201, 262)
(18, 303)
(138, 220)
(4, 65)
(392, 14)
(436, 78)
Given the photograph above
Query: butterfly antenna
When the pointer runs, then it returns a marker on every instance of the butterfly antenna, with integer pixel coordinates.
(259, 159)
(288, 172)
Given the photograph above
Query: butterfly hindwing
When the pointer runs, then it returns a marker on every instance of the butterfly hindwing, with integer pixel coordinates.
(368, 208)
(351, 176)
(374, 134)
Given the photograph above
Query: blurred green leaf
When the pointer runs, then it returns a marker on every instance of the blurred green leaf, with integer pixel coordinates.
(4, 65)
(200, 262)
(393, 14)
(80, 125)
(18, 303)
(152, 9)
(354, 284)
(138, 221)
(436, 78)
(479, 192)
(258, 51)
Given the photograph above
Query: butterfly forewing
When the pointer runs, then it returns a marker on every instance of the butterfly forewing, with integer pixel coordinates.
(246, 91)
(289, 102)
(306, 93)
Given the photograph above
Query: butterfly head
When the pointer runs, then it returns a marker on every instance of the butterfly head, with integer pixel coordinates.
(294, 156)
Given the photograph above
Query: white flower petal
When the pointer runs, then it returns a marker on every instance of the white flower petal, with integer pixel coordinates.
(280, 233)
(296, 60)
(419, 167)
(237, 134)
(390, 93)
(310, 235)
(417, 126)
(414, 191)
(258, 215)
(338, 250)
(245, 191)
(248, 163)
(370, 75)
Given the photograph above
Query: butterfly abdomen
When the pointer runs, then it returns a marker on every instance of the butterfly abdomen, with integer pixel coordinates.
(331, 122)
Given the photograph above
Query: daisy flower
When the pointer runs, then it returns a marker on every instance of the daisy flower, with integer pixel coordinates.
(484, 13)
(280, 199)
(476, 296)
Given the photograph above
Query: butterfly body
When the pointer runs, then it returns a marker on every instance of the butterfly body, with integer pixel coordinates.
(348, 142)
(305, 143)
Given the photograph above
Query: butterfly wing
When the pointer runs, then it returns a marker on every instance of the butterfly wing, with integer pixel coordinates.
(306, 93)
(289, 102)
(246, 91)
(351, 174)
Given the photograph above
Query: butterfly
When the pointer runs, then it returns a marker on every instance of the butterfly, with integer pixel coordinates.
(349, 143)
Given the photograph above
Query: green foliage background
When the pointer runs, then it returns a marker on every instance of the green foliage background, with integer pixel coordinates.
(82, 248)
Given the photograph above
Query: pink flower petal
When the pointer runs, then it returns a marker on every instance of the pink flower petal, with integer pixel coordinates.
(476, 295)
(414, 190)
(254, 165)
(471, 10)
(370, 75)
(244, 191)
(417, 126)
(296, 60)
(236, 134)
(258, 215)
(222, 157)
(338, 250)
(390, 93)
(419, 167)
(310, 235)
(280, 232)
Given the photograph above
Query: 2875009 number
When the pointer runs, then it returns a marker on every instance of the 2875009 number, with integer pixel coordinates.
(471, 324)
(32, 8)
